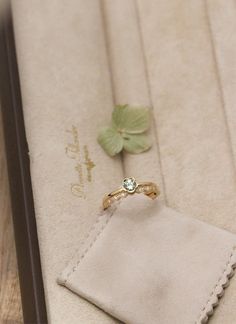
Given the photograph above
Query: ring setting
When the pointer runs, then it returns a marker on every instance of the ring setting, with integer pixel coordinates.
(129, 187)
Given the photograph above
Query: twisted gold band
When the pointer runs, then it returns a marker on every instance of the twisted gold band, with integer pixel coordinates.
(130, 186)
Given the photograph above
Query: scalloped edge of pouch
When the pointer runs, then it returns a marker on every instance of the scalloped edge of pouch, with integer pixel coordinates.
(218, 290)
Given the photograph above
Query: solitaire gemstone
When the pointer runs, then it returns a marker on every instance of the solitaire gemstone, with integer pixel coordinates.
(129, 184)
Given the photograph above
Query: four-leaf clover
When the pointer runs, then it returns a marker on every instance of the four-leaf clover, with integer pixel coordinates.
(126, 131)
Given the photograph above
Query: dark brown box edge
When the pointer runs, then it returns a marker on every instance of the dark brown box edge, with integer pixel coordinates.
(25, 229)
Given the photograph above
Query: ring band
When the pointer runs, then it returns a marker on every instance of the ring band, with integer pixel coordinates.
(130, 186)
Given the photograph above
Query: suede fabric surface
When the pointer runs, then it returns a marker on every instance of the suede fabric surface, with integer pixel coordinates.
(145, 263)
(65, 83)
(76, 59)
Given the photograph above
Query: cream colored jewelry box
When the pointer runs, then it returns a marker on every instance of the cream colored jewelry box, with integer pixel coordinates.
(76, 60)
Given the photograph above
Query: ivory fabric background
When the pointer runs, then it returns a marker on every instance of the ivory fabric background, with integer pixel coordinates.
(76, 59)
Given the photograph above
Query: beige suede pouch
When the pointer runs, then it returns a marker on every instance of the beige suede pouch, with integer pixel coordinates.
(143, 262)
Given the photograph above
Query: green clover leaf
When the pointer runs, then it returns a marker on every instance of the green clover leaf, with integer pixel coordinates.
(136, 143)
(126, 131)
(131, 120)
(110, 140)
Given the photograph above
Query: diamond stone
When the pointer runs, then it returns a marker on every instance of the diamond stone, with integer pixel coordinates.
(129, 184)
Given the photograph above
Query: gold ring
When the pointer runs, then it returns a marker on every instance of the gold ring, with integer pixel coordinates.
(130, 186)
